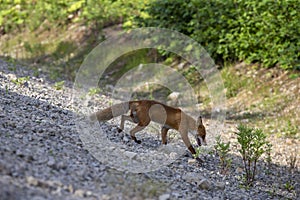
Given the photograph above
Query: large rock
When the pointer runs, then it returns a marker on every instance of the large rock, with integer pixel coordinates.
(173, 98)
(130, 155)
(205, 184)
(198, 179)
(164, 197)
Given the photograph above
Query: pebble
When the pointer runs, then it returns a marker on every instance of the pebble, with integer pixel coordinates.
(220, 185)
(51, 162)
(192, 161)
(192, 177)
(204, 184)
(130, 155)
(126, 139)
(32, 181)
(79, 193)
(164, 197)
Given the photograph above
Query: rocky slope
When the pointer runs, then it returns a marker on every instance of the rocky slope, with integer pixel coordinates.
(43, 157)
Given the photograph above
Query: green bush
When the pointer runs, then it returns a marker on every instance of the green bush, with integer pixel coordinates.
(15, 15)
(253, 144)
(172, 14)
(20, 14)
(265, 31)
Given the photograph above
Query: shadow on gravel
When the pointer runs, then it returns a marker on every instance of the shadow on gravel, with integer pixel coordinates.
(235, 115)
(42, 156)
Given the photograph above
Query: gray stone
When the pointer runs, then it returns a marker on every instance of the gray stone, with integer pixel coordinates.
(130, 155)
(192, 161)
(79, 193)
(164, 197)
(192, 177)
(32, 181)
(51, 162)
(220, 185)
(204, 184)
(126, 139)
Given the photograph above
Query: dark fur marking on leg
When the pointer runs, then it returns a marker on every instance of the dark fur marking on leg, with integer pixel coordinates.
(136, 140)
(192, 150)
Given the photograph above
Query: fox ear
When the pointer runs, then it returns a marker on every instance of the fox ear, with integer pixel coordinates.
(199, 121)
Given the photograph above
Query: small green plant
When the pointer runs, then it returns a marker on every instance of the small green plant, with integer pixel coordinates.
(290, 130)
(253, 144)
(202, 151)
(294, 76)
(272, 191)
(36, 73)
(289, 186)
(21, 80)
(94, 91)
(222, 150)
(59, 85)
(12, 68)
(198, 152)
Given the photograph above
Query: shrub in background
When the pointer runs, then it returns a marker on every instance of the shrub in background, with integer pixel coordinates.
(253, 144)
(265, 31)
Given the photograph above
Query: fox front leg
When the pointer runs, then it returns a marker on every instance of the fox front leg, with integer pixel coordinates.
(186, 140)
(164, 132)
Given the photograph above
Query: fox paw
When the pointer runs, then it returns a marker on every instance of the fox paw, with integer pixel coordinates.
(119, 130)
(138, 141)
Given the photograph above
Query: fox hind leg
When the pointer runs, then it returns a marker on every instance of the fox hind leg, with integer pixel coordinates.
(132, 118)
(141, 125)
(164, 132)
(123, 119)
(135, 130)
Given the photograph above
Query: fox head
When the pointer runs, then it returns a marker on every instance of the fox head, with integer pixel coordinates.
(201, 132)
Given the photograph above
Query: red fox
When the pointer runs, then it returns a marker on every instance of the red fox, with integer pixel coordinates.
(144, 111)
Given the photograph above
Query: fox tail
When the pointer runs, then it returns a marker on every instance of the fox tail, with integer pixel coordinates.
(110, 112)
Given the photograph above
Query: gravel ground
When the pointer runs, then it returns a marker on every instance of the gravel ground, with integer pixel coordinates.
(43, 157)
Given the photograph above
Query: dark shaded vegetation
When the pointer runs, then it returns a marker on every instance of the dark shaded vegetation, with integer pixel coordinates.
(60, 34)
(57, 35)
(266, 32)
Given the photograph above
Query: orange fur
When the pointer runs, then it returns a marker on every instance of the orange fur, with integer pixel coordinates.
(144, 111)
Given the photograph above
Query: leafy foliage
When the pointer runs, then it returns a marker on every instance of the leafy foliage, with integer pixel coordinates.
(255, 31)
(291, 130)
(222, 150)
(253, 144)
(59, 85)
(21, 81)
(20, 14)
(94, 91)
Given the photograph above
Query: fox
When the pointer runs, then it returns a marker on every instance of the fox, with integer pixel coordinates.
(142, 112)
